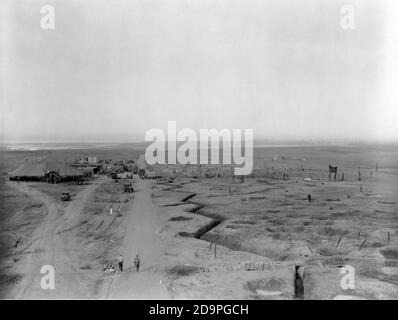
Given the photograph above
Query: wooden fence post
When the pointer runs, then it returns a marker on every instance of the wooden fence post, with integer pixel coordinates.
(338, 242)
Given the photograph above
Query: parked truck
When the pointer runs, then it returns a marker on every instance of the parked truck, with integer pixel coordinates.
(65, 196)
(128, 187)
(141, 173)
(113, 175)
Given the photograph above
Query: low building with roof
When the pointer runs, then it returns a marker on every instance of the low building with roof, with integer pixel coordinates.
(43, 171)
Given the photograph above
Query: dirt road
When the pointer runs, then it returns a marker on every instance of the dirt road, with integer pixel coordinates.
(52, 245)
(141, 238)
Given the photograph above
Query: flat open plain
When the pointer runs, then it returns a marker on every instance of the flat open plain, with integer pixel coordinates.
(209, 237)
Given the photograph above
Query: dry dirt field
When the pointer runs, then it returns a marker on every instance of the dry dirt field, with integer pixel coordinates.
(209, 238)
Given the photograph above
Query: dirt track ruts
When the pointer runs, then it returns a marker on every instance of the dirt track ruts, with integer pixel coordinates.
(53, 246)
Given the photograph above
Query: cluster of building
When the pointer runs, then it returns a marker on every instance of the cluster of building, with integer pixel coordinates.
(190, 171)
(58, 171)
(50, 171)
(53, 171)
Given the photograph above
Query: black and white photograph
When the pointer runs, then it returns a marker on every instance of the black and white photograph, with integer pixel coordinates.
(199, 150)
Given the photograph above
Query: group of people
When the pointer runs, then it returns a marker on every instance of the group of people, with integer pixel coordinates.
(119, 213)
(136, 262)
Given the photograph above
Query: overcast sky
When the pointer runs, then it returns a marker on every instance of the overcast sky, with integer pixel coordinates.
(111, 70)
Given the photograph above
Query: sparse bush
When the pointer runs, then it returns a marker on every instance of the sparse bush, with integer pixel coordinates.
(10, 279)
(243, 222)
(375, 244)
(182, 270)
(277, 222)
(277, 236)
(185, 234)
(329, 231)
(276, 284)
(180, 218)
(390, 253)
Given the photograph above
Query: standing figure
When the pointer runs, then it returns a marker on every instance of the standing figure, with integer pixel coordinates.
(342, 176)
(120, 262)
(332, 170)
(137, 262)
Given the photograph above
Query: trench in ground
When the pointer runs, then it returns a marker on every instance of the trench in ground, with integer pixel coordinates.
(214, 222)
(203, 232)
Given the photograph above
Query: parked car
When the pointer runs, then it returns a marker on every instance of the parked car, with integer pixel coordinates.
(65, 196)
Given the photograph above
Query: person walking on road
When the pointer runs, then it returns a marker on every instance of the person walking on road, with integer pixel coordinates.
(120, 262)
(137, 262)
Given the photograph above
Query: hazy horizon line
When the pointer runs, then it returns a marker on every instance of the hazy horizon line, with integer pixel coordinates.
(255, 141)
